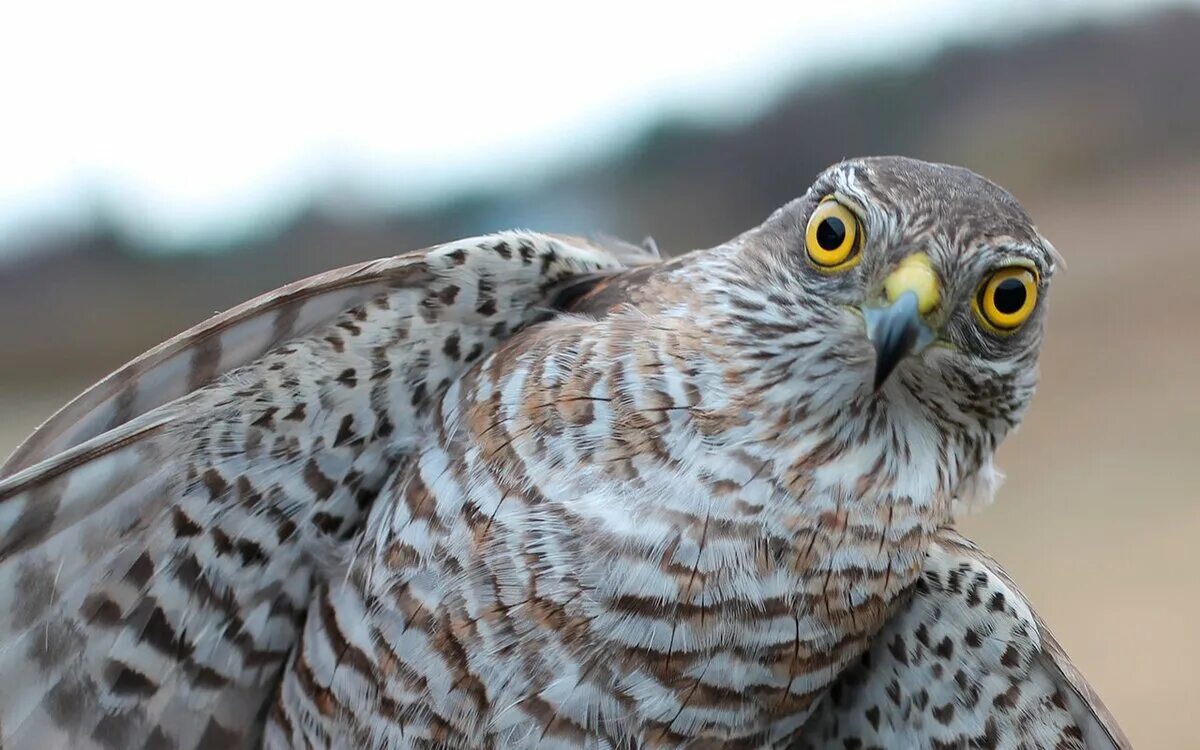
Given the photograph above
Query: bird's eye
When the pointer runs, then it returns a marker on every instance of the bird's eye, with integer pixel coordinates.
(1007, 298)
(833, 237)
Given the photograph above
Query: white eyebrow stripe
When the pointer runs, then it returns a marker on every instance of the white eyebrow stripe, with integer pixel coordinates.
(1022, 254)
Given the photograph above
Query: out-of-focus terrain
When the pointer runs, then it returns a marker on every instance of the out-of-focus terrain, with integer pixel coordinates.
(1097, 130)
(1100, 516)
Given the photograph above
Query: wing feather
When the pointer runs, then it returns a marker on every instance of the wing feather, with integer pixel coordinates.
(1099, 726)
(160, 537)
(966, 662)
(210, 349)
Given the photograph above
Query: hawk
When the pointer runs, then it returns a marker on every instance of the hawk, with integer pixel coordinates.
(529, 490)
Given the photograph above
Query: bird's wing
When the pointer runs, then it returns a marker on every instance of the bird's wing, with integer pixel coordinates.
(966, 662)
(159, 537)
(244, 333)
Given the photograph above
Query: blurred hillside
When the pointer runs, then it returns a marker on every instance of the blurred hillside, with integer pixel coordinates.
(1032, 113)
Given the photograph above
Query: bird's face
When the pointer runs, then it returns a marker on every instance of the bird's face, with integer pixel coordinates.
(937, 271)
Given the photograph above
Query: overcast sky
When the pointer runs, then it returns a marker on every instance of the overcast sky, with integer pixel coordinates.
(186, 122)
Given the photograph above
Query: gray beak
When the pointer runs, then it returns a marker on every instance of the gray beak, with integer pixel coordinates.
(896, 330)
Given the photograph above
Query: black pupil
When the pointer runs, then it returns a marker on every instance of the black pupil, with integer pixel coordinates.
(831, 233)
(1009, 296)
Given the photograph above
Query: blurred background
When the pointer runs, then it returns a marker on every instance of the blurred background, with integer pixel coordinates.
(158, 165)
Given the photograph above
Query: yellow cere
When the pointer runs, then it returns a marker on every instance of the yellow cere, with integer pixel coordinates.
(914, 274)
(833, 236)
(1006, 298)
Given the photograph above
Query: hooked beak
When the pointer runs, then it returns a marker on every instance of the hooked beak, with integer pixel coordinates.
(897, 328)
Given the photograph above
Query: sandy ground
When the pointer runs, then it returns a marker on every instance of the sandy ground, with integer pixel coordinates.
(1099, 519)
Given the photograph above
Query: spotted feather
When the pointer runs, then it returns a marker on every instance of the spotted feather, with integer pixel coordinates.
(965, 663)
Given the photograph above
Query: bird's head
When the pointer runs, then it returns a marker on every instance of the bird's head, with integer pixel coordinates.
(925, 280)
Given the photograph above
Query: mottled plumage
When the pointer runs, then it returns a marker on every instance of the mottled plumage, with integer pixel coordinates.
(527, 490)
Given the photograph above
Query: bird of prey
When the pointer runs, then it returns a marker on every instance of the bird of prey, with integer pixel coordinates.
(530, 490)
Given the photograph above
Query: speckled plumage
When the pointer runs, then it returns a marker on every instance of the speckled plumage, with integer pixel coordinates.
(533, 491)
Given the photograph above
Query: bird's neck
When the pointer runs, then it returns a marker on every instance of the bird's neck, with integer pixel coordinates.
(772, 372)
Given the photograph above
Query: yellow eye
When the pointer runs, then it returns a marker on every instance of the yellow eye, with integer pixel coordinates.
(1007, 298)
(833, 237)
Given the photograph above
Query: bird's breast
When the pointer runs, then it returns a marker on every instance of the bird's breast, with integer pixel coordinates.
(704, 598)
(622, 564)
